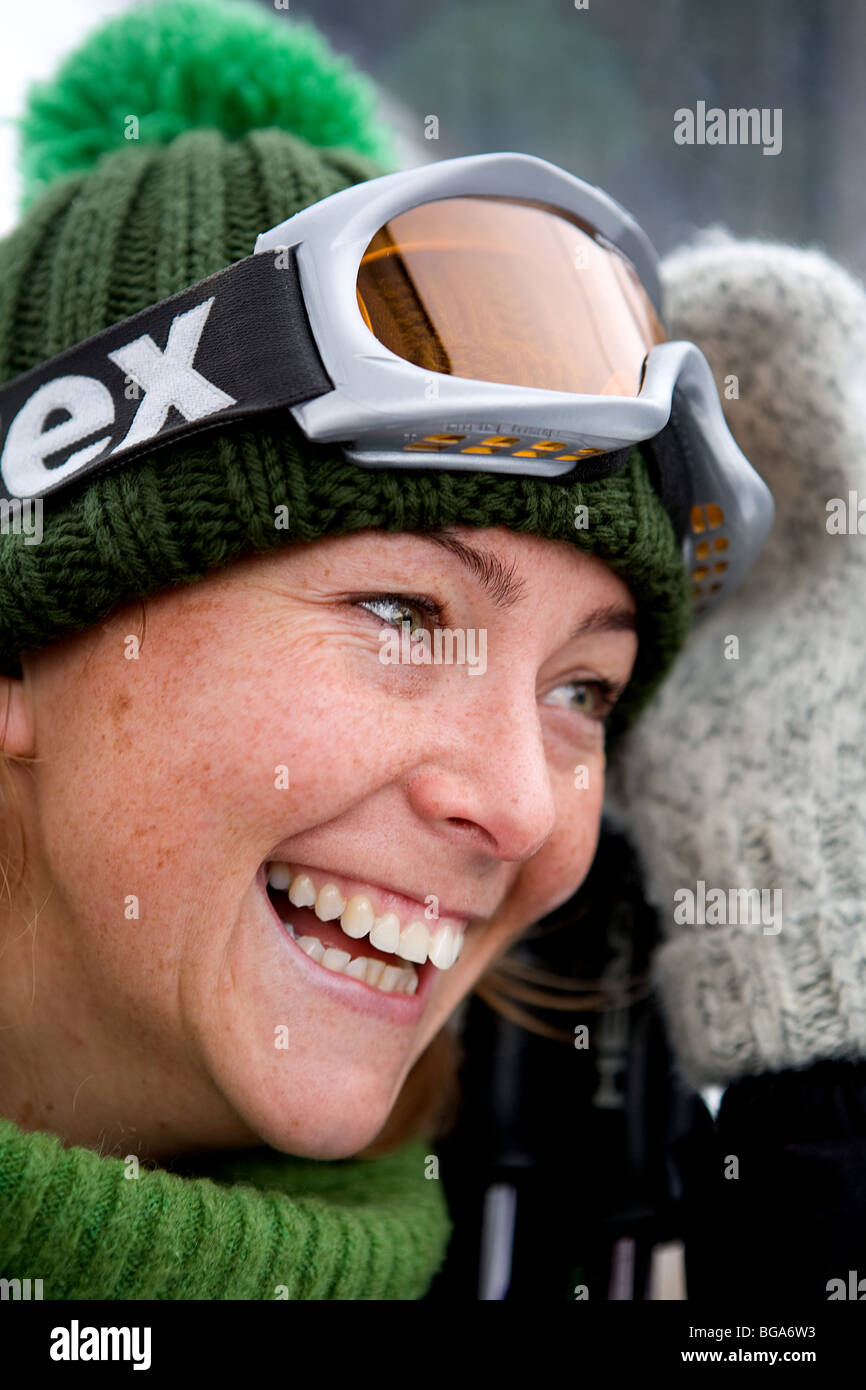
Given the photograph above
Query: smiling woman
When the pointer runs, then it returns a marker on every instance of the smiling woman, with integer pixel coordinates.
(252, 868)
(256, 896)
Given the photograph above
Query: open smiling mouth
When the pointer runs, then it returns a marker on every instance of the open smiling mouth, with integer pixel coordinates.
(369, 934)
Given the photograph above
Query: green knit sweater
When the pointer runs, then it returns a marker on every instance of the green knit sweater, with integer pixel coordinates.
(247, 1225)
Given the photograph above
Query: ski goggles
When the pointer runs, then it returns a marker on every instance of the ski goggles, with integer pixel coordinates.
(491, 313)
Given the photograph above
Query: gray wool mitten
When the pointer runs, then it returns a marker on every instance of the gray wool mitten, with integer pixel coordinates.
(748, 770)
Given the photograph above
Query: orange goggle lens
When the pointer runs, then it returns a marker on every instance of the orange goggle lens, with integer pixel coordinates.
(500, 289)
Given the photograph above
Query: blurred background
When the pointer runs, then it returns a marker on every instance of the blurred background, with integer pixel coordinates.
(593, 89)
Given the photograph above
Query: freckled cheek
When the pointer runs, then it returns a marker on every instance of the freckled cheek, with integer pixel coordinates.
(129, 776)
(339, 735)
(193, 769)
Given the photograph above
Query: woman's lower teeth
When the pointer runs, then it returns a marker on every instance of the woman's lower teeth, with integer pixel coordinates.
(391, 979)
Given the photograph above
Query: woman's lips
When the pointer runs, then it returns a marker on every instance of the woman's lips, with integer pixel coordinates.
(388, 1004)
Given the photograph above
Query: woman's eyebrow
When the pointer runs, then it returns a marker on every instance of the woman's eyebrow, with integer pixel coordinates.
(612, 617)
(498, 580)
(505, 589)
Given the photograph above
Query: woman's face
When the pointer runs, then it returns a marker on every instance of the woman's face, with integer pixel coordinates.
(160, 1003)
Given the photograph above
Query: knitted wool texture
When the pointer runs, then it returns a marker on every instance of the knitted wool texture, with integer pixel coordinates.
(150, 219)
(256, 1226)
(748, 773)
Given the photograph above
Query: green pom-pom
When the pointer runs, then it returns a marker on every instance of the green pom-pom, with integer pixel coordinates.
(178, 65)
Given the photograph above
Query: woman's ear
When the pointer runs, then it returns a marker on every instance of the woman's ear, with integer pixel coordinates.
(17, 726)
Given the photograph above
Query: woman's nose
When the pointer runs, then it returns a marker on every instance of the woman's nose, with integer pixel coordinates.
(486, 775)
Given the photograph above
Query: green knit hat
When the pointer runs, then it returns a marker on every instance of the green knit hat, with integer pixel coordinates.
(243, 118)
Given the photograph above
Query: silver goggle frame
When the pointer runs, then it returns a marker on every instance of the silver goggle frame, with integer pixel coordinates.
(382, 407)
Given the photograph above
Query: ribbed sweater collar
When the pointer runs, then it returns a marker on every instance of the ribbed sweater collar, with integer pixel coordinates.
(252, 1225)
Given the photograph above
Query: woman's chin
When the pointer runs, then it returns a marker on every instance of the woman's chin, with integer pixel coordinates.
(333, 1125)
(325, 1141)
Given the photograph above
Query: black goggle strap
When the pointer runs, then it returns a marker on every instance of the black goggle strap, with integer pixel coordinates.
(231, 346)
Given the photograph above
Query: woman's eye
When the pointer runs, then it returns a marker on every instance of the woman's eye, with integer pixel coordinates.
(594, 698)
(397, 610)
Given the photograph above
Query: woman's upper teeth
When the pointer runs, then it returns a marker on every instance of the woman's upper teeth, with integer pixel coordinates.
(408, 936)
